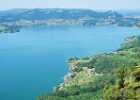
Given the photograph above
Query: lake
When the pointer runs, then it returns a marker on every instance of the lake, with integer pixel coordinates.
(34, 60)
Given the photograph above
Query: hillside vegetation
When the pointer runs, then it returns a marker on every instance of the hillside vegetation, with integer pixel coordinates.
(108, 76)
(8, 29)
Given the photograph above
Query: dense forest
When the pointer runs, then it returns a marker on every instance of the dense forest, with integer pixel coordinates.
(108, 76)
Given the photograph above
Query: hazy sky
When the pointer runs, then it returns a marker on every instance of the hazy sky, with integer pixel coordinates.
(91, 4)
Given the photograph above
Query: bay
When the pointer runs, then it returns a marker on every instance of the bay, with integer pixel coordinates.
(34, 60)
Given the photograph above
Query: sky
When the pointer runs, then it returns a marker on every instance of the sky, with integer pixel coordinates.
(85, 4)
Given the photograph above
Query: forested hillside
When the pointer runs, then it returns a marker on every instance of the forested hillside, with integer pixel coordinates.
(108, 76)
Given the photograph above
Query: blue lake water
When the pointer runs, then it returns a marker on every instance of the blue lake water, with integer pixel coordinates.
(33, 61)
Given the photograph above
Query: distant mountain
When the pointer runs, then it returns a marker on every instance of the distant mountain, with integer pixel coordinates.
(76, 17)
(131, 13)
(45, 14)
